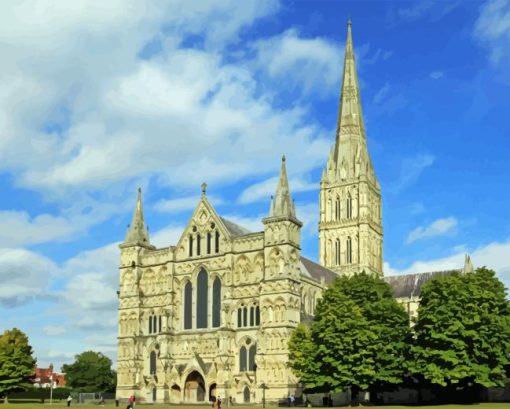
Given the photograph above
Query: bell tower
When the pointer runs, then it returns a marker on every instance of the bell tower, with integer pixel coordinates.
(350, 222)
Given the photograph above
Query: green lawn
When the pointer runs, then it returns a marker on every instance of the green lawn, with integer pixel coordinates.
(111, 405)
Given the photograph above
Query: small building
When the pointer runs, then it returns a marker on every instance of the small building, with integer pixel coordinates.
(47, 378)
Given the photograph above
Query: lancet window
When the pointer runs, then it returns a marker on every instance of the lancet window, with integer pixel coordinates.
(188, 300)
(155, 322)
(248, 316)
(152, 363)
(349, 206)
(337, 252)
(349, 250)
(202, 295)
(216, 303)
(247, 354)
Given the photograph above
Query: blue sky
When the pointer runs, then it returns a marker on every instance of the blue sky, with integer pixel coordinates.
(99, 98)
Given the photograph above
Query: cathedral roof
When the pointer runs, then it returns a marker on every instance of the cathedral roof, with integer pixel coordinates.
(234, 229)
(316, 271)
(409, 285)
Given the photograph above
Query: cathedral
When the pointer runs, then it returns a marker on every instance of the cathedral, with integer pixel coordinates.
(212, 315)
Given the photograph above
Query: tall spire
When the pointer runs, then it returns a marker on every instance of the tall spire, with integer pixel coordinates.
(282, 204)
(137, 232)
(350, 126)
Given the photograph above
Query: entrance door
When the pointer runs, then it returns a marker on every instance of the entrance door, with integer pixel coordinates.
(154, 394)
(212, 392)
(246, 395)
(194, 388)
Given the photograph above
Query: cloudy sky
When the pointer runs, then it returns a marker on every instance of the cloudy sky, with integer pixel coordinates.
(98, 98)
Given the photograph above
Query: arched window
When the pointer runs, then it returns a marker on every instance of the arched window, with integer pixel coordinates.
(337, 252)
(160, 326)
(242, 359)
(349, 250)
(239, 317)
(252, 316)
(150, 325)
(257, 315)
(154, 324)
(190, 242)
(251, 357)
(202, 299)
(216, 303)
(188, 296)
(217, 242)
(153, 363)
(199, 242)
(337, 208)
(349, 206)
(245, 316)
(209, 237)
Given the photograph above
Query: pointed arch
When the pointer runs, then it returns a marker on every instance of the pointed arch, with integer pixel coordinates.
(337, 252)
(152, 363)
(349, 206)
(201, 303)
(216, 303)
(242, 359)
(188, 309)
(349, 250)
(251, 357)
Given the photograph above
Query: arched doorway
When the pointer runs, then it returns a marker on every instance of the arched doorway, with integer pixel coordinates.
(154, 394)
(246, 395)
(194, 388)
(212, 392)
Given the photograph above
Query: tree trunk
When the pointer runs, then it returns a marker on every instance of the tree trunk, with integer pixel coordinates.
(5, 399)
(354, 396)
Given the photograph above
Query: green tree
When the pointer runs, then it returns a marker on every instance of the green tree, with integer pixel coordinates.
(357, 339)
(90, 372)
(17, 365)
(462, 333)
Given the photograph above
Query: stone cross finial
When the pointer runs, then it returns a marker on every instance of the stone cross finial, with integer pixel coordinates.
(204, 188)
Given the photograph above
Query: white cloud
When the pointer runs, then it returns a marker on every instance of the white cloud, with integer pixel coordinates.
(381, 94)
(116, 117)
(410, 170)
(435, 75)
(493, 255)
(439, 227)
(493, 29)
(167, 236)
(24, 275)
(184, 203)
(310, 63)
(265, 189)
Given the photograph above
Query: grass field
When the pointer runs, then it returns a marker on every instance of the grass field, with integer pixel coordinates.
(111, 405)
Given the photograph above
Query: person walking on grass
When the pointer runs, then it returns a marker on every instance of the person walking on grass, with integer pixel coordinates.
(69, 400)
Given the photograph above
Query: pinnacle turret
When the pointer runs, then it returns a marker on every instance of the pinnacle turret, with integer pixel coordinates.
(282, 204)
(137, 233)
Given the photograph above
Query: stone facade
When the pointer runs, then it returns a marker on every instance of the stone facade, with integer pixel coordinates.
(212, 315)
(350, 224)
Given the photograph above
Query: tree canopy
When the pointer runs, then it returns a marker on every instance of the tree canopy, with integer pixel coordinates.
(462, 334)
(17, 365)
(90, 372)
(357, 338)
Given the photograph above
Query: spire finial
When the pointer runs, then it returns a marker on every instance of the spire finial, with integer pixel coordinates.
(137, 233)
(204, 188)
(281, 202)
(468, 265)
